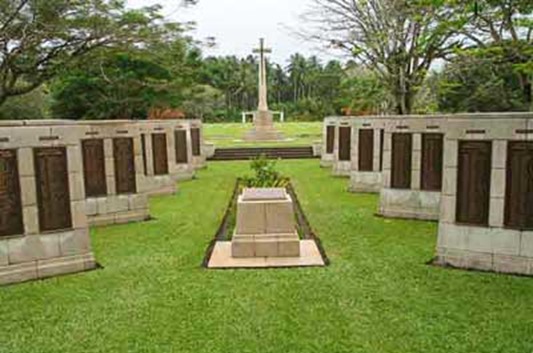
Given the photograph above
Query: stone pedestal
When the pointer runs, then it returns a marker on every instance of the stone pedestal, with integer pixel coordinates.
(263, 129)
(265, 225)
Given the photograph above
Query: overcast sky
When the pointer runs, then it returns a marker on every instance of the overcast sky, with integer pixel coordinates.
(237, 25)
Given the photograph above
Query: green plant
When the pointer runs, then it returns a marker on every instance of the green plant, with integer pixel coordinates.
(266, 175)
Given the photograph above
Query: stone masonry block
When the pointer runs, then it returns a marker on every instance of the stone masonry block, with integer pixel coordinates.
(138, 202)
(74, 242)
(74, 159)
(496, 210)
(279, 217)
(25, 249)
(18, 273)
(447, 208)
(31, 219)
(526, 244)
(4, 259)
(451, 148)
(497, 183)
(76, 186)
(243, 246)
(266, 246)
(449, 181)
(28, 192)
(79, 214)
(50, 246)
(91, 207)
(505, 241)
(510, 264)
(250, 217)
(499, 154)
(60, 266)
(25, 162)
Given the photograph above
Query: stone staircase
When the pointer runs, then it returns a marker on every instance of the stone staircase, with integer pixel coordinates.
(235, 154)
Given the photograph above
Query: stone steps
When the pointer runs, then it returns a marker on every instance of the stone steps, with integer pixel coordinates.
(232, 154)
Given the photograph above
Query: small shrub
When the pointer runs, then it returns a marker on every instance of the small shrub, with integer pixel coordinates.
(266, 175)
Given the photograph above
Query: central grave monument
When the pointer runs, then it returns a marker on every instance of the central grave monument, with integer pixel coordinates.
(263, 129)
(266, 225)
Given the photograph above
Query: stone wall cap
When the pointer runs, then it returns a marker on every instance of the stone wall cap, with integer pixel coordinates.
(264, 194)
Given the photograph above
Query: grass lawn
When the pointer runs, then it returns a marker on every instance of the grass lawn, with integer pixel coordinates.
(231, 134)
(378, 295)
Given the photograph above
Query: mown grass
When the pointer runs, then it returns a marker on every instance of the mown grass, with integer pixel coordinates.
(232, 134)
(378, 294)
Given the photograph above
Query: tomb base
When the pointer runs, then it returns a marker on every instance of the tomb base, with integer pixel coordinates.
(265, 245)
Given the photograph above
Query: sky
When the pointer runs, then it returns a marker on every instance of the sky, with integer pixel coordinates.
(237, 25)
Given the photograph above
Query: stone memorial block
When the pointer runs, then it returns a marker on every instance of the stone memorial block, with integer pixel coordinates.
(367, 154)
(116, 186)
(343, 148)
(43, 226)
(486, 218)
(183, 151)
(328, 141)
(266, 225)
(197, 141)
(412, 161)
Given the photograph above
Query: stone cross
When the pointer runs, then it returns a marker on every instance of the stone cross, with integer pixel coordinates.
(263, 100)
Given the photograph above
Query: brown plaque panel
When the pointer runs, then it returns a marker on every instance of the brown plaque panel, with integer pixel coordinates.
(366, 150)
(124, 165)
(473, 182)
(53, 196)
(402, 146)
(10, 203)
(159, 153)
(145, 160)
(94, 167)
(330, 139)
(381, 146)
(345, 143)
(519, 186)
(431, 167)
(182, 155)
(195, 139)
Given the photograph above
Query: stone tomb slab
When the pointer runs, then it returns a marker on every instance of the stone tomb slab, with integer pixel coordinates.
(309, 257)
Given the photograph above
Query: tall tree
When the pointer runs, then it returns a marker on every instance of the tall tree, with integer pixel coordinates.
(398, 39)
(39, 38)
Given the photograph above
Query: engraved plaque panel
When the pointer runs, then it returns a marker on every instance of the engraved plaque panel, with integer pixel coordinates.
(10, 202)
(160, 154)
(124, 165)
(195, 137)
(432, 156)
(345, 143)
(519, 185)
(402, 144)
(181, 147)
(94, 167)
(473, 182)
(52, 184)
(366, 150)
(330, 139)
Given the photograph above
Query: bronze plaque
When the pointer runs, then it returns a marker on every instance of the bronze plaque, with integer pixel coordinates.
(124, 165)
(431, 168)
(330, 139)
(182, 155)
(402, 144)
(159, 153)
(519, 186)
(145, 160)
(10, 203)
(53, 196)
(473, 182)
(94, 167)
(195, 139)
(345, 143)
(366, 150)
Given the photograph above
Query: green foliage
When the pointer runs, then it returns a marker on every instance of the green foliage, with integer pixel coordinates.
(266, 175)
(32, 105)
(479, 83)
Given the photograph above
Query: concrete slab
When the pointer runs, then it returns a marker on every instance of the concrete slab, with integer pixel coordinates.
(309, 257)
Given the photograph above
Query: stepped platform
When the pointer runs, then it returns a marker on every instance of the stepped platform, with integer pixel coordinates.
(246, 153)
